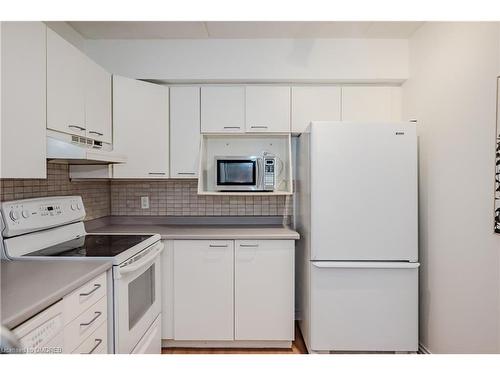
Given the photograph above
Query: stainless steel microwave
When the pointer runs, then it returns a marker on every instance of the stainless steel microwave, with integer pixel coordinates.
(245, 173)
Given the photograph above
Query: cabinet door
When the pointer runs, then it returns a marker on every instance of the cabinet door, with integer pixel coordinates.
(371, 103)
(23, 116)
(167, 291)
(184, 131)
(65, 86)
(264, 290)
(203, 290)
(140, 124)
(222, 109)
(97, 102)
(314, 103)
(267, 109)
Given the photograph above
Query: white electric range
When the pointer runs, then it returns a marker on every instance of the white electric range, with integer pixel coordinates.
(44, 228)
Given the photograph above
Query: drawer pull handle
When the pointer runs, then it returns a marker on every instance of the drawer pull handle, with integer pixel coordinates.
(97, 315)
(259, 127)
(157, 173)
(188, 173)
(249, 245)
(218, 245)
(232, 127)
(96, 133)
(98, 342)
(96, 286)
(77, 127)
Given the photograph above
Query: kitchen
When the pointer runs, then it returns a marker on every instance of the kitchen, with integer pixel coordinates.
(244, 187)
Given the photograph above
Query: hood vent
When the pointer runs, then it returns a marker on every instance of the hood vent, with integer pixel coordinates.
(80, 150)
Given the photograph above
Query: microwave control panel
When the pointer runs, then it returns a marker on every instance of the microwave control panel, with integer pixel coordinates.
(269, 173)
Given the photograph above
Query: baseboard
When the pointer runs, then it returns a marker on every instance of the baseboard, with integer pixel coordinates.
(227, 344)
(422, 349)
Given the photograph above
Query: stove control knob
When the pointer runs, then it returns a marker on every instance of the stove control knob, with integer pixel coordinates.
(26, 214)
(73, 206)
(14, 215)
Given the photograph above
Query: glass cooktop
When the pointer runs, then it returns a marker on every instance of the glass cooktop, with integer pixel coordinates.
(92, 245)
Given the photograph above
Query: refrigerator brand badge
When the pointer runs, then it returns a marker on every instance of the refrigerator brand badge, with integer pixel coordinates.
(400, 133)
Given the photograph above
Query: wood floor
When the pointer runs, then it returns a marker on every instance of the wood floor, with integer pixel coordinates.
(298, 347)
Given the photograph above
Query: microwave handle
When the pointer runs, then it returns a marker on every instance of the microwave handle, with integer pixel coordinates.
(260, 173)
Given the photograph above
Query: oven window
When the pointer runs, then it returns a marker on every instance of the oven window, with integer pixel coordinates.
(236, 172)
(141, 296)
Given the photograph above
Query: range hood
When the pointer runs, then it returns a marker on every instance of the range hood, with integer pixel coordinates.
(62, 151)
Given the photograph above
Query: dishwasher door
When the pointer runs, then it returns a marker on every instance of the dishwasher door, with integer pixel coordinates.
(364, 306)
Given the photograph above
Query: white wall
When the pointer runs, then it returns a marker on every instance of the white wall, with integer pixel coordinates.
(352, 60)
(452, 93)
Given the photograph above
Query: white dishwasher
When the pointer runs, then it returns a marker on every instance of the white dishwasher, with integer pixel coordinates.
(43, 333)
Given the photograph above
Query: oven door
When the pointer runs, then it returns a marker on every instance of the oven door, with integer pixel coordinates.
(238, 173)
(137, 297)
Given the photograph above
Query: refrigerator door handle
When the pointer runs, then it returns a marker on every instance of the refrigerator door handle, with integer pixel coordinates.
(383, 265)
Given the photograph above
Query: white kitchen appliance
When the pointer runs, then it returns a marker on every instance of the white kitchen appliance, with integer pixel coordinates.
(357, 217)
(245, 173)
(48, 227)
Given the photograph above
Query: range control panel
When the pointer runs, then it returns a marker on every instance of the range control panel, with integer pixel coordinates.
(29, 215)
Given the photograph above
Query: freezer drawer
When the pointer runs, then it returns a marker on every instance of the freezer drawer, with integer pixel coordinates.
(364, 306)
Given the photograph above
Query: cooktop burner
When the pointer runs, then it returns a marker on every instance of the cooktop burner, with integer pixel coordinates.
(92, 245)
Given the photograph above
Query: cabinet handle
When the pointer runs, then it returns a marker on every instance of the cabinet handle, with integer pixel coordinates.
(249, 245)
(77, 127)
(157, 173)
(232, 127)
(96, 286)
(97, 315)
(259, 127)
(218, 245)
(96, 133)
(98, 341)
(187, 173)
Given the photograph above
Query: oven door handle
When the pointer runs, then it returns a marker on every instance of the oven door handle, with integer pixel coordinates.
(142, 262)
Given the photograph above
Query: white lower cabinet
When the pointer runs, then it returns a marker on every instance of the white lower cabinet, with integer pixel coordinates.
(203, 290)
(225, 290)
(264, 290)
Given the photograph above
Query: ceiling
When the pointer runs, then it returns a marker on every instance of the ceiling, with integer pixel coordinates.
(246, 29)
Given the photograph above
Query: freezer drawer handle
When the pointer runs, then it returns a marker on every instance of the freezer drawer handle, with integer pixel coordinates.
(373, 265)
(249, 245)
(218, 245)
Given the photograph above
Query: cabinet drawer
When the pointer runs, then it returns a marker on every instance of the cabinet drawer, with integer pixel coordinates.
(96, 343)
(83, 326)
(84, 297)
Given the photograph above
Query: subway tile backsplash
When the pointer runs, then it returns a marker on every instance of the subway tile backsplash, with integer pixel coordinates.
(180, 198)
(120, 197)
(95, 194)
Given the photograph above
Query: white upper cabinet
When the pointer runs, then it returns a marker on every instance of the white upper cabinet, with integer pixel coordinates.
(78, 92)
(267, 109)
(140, 125)
(222, 109)
(65, 86)
(371, 103)
(314, 103)
(184, 131)
(23, 116)
(97, 102)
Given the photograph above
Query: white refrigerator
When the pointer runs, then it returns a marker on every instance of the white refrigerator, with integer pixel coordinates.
(357, 214)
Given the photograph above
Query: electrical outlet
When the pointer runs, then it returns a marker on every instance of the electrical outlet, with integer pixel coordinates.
(144, 202)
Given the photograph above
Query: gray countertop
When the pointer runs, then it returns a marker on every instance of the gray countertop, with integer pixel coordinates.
(30, 286)
(200, 232)
(196, 228)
